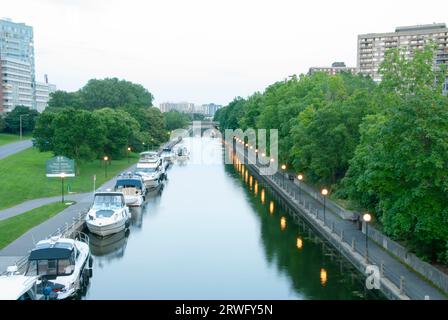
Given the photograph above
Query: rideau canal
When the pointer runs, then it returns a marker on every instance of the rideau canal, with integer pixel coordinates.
(215, 232)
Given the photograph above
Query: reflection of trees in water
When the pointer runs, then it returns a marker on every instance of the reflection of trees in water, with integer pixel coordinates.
(316, 271)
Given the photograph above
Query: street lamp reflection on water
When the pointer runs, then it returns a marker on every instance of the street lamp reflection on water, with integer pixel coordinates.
(299, 243)
(283, 223)
(323, 277)
(271, 207)
(263, 196)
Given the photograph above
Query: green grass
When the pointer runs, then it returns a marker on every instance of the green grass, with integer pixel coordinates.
(6, 138)
(14, 227)
(22, 177)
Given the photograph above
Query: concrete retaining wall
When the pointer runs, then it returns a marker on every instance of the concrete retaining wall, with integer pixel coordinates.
(437, 277)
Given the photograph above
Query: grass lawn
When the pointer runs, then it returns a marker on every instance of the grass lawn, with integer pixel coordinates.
(6, 138)
(12, 228)
(22, 177)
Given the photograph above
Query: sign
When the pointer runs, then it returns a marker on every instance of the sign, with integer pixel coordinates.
(60, 167)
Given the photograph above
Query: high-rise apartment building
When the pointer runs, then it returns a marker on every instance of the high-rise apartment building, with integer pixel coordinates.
(184, 107)
(17, 65)
(336, 67)
(43, 91)
(372, 46)
(211, 108)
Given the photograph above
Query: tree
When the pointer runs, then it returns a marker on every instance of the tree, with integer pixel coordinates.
(400, 167)
(175, 120)
(77, 134)
(152, 124)
(28, 116)
(2, 124)
(44, 132)
(63, 99)
(114, 93)
(122, 131)
(106, 93)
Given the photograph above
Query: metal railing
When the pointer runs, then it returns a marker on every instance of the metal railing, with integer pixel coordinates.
(71, 231)
(310, 203)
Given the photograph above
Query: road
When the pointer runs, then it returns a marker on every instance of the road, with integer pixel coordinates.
(15, 147)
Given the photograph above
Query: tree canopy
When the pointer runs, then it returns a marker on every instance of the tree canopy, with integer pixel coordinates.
(382, 146)
(105, 93)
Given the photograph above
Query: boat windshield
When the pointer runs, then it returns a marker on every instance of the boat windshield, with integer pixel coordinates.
(107, 202)
(60, 267)
(146, 170)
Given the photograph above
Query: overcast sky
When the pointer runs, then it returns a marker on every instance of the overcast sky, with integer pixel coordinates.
(203, 51)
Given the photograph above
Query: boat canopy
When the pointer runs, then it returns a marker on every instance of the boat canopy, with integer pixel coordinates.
(50, 254)
(129, 183)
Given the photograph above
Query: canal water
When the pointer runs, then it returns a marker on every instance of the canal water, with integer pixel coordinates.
(214, 232)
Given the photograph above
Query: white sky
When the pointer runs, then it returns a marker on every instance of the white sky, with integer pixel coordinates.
(203, 51)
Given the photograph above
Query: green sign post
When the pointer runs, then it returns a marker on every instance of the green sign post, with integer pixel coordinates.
(60, 167)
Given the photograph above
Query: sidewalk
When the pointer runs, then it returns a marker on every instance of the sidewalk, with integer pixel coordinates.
(21, 246)
(347, 238)
(36, 203)
(411, 283)
(15, 147)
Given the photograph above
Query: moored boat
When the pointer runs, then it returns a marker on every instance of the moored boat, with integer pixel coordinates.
(108, 214)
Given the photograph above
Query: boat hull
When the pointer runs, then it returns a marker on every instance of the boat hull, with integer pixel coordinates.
(107, 229)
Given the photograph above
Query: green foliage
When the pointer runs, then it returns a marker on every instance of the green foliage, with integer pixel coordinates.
(384, 147)
(175, 120)
(122, 131)
(401, 163)
(63, 99)
(2, 124)
(106, 93)
(25, 171)
(14, 227)
(74, 133)
(12, 119)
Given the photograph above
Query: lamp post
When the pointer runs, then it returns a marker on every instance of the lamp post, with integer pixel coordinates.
(324, 194)
(300, 178)
(129, 151)
(106, 158)
(62, 186)
(21, 124)
(367, 218)
(284, 169)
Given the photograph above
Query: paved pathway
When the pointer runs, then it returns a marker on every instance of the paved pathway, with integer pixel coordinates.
(21, 246)
(15, 147)
(36, 203)
(415, 286)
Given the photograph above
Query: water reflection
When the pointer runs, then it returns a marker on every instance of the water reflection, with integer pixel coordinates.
(207, 235)
(323, 277)
(315, 256)
(105, 249)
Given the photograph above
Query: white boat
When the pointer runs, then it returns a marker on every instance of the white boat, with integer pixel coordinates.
(133, 188)
(64, 266)
(14, 286)
(167, 156)
(151, 168)
(182, 153)
(108, 214)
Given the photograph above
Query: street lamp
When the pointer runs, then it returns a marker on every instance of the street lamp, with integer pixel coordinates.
(106, 158)
(367, 218)
(325, 194)
(129, 150)
(300, 178)
(284, 169)
(62, 186)
(21, 124)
